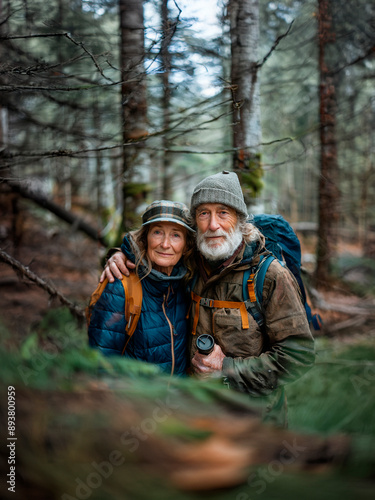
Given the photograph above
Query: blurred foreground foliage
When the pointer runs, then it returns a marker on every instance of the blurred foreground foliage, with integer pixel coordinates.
(111, 428)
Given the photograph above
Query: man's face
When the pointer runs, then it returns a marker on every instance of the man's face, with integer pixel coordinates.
(218, 235)
(215, 218)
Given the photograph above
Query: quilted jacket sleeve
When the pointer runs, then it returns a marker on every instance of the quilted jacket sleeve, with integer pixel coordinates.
(291, 346)
(107, 325)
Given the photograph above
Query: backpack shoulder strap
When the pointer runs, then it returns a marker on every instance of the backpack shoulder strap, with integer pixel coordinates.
(252, 288)
(261, 274)
(95, 296)
(133, 303)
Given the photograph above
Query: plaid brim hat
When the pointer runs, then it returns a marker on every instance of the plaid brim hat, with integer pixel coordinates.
(167, 211)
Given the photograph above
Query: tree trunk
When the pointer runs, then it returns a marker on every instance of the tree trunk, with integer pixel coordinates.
(4, 123)
(244, 32)
(364, 227)
(134, 104)
(99, 178)
(328, 182)
(167, 30)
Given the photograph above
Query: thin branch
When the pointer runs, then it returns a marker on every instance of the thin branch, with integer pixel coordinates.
(66, 35)
(76, 132)
(200, 125)
(275, 44)
(78, 153)
(34, 35)
(24, 272)
(38, 67)
(17, 88)
(370, 52)
(81, 44)
(179, 10)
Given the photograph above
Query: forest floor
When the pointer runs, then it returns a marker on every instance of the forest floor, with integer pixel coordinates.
(71, 262)
(56, 253)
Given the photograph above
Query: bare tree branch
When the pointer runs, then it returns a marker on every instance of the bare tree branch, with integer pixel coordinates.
(66, 35)
(275, 44)
(370, 52)
(17, 88)
(24, 272)
(92, 57)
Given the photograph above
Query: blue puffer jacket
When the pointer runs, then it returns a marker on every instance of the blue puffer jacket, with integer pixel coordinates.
(161, 333)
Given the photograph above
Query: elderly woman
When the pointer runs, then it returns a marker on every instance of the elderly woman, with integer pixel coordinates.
(161, 250)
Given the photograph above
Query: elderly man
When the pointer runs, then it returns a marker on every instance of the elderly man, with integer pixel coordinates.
(258, 360)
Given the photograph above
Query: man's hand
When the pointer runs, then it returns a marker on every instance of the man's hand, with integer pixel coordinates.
(206, 365)
(115, 267)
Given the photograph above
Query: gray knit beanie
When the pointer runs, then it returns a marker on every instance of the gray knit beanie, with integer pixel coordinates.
(222, 188)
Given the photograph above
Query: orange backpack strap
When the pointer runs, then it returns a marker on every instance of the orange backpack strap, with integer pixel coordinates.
(133, 303)
(251, 288)
(94, 299)
(219, 304)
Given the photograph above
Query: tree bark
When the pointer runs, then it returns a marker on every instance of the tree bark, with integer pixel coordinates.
(244, 33)
(134, 100)
(328, 182)
(166, 61)
(4, 123)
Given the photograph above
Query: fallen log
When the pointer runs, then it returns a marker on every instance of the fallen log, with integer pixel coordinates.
(349, 310)
(349, 323)
(41, 199)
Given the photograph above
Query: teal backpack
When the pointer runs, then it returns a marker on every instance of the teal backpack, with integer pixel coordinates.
(284, 246)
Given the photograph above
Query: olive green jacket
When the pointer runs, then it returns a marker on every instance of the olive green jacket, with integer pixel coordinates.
(257, 361)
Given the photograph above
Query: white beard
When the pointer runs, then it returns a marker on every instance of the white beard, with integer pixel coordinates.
(232, 241)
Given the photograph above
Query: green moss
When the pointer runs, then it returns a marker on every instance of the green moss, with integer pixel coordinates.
(251, 178)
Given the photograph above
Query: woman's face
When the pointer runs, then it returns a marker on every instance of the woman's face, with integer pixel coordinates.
(166, 242)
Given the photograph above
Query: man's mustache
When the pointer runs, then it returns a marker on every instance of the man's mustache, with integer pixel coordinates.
(218, 232)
